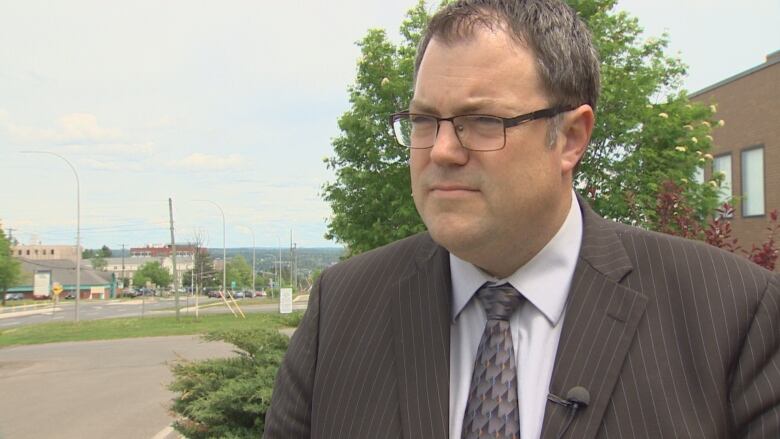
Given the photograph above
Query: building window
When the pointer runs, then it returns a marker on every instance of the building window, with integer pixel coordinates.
(698, 175)
(52, 252)
(28, 252)
(722, 165)
(753, 182)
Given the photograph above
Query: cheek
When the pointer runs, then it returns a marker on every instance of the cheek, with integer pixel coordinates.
(418, 159)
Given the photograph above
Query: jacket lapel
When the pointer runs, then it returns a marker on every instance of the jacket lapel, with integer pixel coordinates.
(600, 323)
(421, 320)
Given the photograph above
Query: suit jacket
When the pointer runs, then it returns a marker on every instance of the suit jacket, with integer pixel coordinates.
(672, 338)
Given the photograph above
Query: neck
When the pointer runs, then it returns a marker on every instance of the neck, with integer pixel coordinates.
(506, 257)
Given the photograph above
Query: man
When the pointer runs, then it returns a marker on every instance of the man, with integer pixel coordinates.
(521, 313)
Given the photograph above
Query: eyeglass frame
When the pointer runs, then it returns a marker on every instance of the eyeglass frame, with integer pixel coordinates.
(508, 122)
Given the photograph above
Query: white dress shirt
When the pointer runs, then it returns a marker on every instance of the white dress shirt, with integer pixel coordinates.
(536, 326)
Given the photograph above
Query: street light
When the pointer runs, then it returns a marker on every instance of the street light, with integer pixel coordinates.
(224, 263)
(274, 263)
(224, 253)
(78, 225)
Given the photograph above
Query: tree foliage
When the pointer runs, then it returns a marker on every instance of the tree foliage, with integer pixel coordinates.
(10, 269)
(228, 397)
(647, 132)
(239, 271)
(205, 274)
(371, 197)
(99, 262)
(152, 272)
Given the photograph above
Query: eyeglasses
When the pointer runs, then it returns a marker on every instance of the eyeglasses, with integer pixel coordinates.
(476, 132)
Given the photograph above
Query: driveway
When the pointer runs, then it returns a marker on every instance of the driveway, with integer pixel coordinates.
(95, 389)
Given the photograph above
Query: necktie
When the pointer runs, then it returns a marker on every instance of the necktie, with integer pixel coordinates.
(492, 410)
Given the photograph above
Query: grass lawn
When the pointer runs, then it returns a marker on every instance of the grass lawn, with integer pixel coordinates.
(136, 327)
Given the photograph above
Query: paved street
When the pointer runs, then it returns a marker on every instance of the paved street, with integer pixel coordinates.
(100, 309)
(99, 389)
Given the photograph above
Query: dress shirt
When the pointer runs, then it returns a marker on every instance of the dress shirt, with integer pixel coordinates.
(536, 326)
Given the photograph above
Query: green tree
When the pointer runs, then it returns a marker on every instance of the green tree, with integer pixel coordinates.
(228, 397)
(239, 271)
(10, 269)
(641, 141)
(105, 252)
(647, 132)
(99, 261)
(371, 197)
(152, 272)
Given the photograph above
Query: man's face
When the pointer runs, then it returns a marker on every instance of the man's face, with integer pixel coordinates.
(494, 209)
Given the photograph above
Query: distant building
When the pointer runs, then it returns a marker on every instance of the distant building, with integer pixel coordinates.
(40, 252)
(747, 147)
(93, 284)
(164, 250)
(126, 267)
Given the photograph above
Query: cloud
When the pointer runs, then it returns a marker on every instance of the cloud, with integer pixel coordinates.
(71, 128)
(207, 162)
(135, 150)
(114, 166)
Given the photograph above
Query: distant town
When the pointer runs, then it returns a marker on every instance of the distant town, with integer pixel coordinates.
(51, 270)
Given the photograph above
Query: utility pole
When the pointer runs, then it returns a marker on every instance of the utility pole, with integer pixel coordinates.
(173, 258)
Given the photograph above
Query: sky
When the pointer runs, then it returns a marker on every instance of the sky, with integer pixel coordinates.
(234, 103)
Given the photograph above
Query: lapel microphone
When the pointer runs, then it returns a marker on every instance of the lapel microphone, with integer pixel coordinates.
(576, 398)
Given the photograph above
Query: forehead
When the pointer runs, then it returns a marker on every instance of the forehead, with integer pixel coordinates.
(489, 66)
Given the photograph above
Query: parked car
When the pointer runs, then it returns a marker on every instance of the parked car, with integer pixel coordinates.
(238, 294)
(14, 296)
(260, 293)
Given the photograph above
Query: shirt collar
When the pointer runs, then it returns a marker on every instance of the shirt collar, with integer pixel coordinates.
(544, 280)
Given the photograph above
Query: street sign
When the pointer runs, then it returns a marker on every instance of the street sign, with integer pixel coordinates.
(285, 301)
(56, 288)
(42, 283)
(233, 284)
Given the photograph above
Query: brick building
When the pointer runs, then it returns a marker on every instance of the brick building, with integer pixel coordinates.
(747, 147)
(164, 250)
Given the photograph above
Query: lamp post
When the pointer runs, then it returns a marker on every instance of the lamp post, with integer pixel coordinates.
(224, 252)
(254, 268)
(275, 263)
(78, 225)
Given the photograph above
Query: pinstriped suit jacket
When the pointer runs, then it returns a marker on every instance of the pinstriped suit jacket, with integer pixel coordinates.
(673, 339)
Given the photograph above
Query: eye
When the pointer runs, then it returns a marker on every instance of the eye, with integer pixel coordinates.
(419, 119)
(487, 120)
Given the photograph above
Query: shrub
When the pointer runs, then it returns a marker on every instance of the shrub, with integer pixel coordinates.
(228, 397)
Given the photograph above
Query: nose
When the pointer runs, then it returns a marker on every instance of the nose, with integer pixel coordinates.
(447, 149)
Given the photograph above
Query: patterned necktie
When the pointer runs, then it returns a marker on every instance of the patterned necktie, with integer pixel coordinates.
(492, 410)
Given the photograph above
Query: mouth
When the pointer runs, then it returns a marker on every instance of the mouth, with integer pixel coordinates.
(452, 189)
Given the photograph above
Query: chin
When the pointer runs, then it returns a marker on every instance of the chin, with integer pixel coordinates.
(458, 237)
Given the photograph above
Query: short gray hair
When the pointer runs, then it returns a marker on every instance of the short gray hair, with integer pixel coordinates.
(566, 60)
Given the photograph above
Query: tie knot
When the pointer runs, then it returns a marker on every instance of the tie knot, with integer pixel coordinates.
(500, 301)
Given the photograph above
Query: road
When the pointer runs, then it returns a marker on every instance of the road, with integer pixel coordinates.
(96, 389)
(108, 309)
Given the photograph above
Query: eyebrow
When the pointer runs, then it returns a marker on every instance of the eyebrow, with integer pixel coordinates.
(474, 106)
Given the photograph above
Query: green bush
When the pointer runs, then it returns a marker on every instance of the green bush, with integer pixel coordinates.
(228, 397)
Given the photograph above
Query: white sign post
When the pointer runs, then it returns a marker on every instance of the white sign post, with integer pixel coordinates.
(285, 301)
(42, 284)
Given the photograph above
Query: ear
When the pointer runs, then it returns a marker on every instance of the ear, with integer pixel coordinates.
(575, 132)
